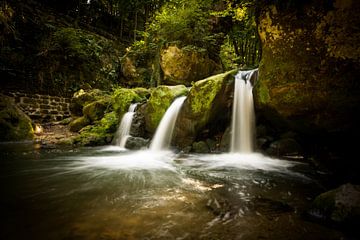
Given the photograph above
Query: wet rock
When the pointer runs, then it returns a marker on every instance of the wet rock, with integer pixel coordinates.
(161, 98)
(208, 104)
(225, 140)
(284, 147)
(340, 205)
(200, 147)
(138, 125)
(136, 143)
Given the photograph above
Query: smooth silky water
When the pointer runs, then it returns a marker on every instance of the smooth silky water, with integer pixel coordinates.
(105, 193)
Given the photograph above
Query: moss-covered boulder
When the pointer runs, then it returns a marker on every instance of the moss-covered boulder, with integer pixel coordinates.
(310, 69)
(79, 123)
(95, 111)
(159, 101)
(82, 98)
(99, 133)
(186, 65)
(123, 97)
(15, 125)
(208, 102)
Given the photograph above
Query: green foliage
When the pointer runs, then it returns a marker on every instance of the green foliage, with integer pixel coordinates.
(241, 46)
(185, 21)
(74, 57)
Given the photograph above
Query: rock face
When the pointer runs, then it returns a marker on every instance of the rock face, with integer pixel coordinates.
(183, 66)
(15, 125)
(310, 65)
(209, 101)
(159, 101)
(340, 205)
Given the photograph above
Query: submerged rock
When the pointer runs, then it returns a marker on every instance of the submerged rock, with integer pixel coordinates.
(200, 147)
(15, 125)
(136, 143)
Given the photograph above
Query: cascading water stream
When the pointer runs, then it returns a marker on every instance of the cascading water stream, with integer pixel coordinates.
(123, 131)
(243, 116)
(164, 131)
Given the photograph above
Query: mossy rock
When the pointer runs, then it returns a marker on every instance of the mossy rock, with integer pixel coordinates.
(186, 65)
(15, 125)
(208, 100)
(123, 97)
(79, 123)
(95, 111)
(304, 75)
(339, 205)
(100, 133)
(82, 98)
(161, 98)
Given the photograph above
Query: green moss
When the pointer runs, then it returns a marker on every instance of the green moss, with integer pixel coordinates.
(161, 98)
(96, 110)
(82, 98)
(100, 133)
(122, 98)
(203, 93)
(77, 124)
(263, 93)
(15, 125)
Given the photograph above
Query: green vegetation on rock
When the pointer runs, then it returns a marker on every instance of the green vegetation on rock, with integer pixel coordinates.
(95, 111)
(15, 125)
(203, 94)
(161, 98)
(123, 97)
(77, 124)
(100, 133)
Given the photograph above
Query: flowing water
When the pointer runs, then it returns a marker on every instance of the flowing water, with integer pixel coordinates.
(163, 134)
(105, 193)
(243, 115)
(123, 131)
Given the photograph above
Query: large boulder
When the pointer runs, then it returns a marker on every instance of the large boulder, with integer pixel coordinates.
(340, 205)
(186, 65)
(123, 97)
(159, 101)
(209, 102)
(15, 125)
(96, 110)
(81, 98)
(310, 69)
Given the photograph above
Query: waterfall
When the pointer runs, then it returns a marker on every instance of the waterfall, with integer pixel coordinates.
(123, 132)
(164, 131)
(243, 116)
